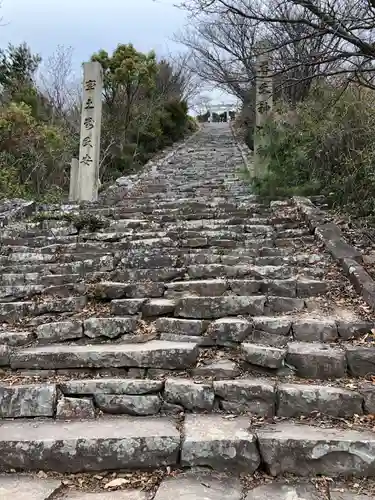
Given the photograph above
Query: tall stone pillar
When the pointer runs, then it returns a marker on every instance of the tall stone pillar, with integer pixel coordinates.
(263, 104)
(89, 148)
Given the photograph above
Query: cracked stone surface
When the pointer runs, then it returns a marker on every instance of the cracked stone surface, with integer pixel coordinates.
(108, 443)
(305, 450)
(204, 443)
(27, 400)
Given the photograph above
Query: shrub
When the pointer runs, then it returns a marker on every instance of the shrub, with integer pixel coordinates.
(33, 154)
(325, 146)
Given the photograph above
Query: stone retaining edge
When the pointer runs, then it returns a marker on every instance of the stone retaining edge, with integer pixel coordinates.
(346, 255)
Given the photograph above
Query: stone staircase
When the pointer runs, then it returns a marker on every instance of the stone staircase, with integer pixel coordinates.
(190, 325)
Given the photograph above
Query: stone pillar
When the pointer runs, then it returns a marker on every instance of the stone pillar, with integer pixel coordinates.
(263, 104)
(74, 180)
(89, 148)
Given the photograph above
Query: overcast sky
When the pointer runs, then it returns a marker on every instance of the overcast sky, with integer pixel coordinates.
(90, 25)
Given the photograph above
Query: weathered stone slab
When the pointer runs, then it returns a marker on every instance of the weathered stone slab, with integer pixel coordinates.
(126, 306)
(361, 280)
(279, 325)
(157, 258)
(211, 440)
(70, 304)
(361, 360)
(295, 400)
(19, 487)
(59, 331)
(284, 304)
(108, 290)
(109, 327)
(270, 272)
(15, 339)
(145, 289)
(314, 330)
(266, 356)
(245, 287)
(216, 307)
(311, 288)
(190, 327)
(166, 274)
(106, 443)
(153, 354)
(367, 390)
(210, 288)
(201, 341)
(33, 400)
(196, 485)
(226, 330)
(305, 450)
(158, 307)
(316, 360)
(256, 396)
(205, 271)
(268, 339)
(280, 491)
(134, 387)
(282, 288)
(219, 370)
(349, 329)
(13, 311)
(189, 394)
(75, 408)
(4, 355)
(129, 405)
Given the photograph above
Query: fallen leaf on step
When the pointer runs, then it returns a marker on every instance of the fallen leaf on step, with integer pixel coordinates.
(115, 483)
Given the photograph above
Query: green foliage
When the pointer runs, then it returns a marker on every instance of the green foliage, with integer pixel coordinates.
(30, 151)
(126, 72)
(17, 66)
(143, 111)
(325, 146)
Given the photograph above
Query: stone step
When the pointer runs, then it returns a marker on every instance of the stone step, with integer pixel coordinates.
(208, 441)
(233, 305)
(34, 274)
(152, 354)
(101, 264)
(91, 445)
(13, 311)
(208, 307)
(83, 398)
(265, 330)
(120, 343)
(307, 450)
(91, 328)
(215, 287)
(108, 290)
(284, 448)
(199, 485)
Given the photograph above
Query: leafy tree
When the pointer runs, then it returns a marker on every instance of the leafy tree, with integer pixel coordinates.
(17, 66)
(126, 74)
